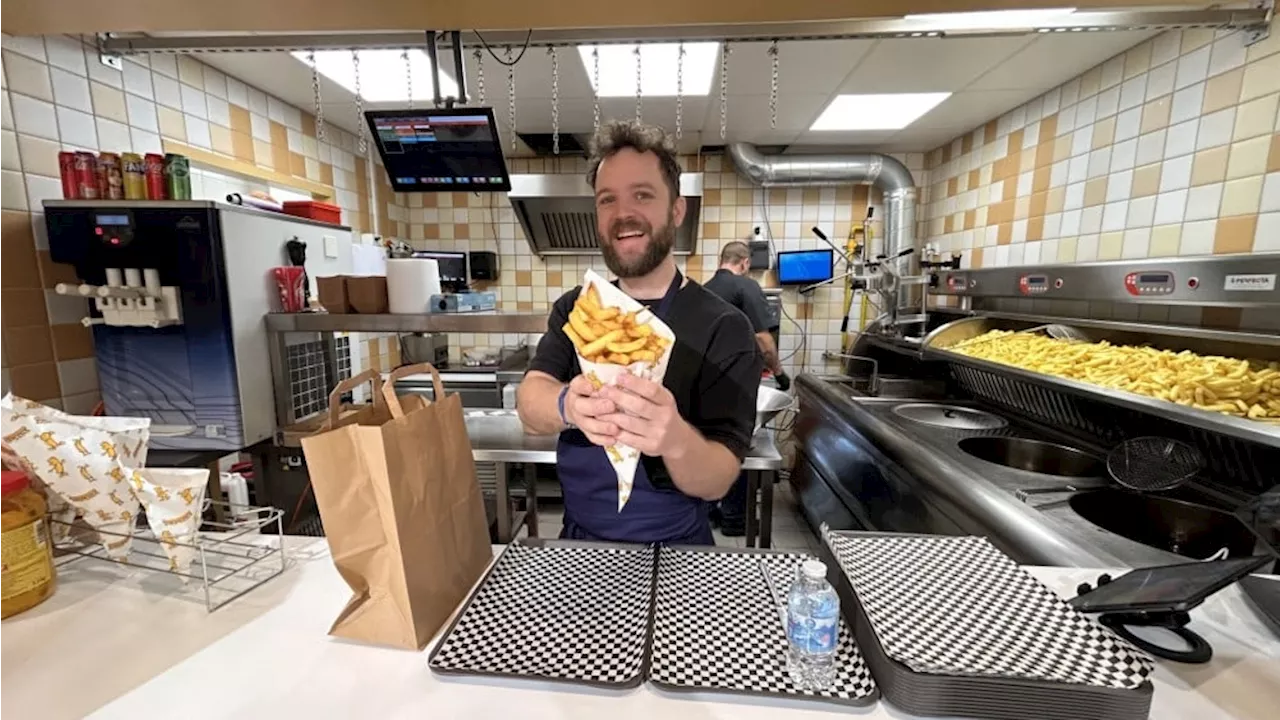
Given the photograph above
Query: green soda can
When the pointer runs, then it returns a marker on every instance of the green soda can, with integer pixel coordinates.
(177, 173)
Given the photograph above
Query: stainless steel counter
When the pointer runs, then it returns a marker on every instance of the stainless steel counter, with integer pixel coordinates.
(498, 436)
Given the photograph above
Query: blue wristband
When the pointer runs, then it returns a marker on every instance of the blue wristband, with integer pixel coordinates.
(560, 403)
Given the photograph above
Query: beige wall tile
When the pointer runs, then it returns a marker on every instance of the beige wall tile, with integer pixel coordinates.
(1222, 91)
(1056, 199)
(1104, 132)
(191, 71)
(1195, 38)
(1095, 191)
(1256, 117)
(1210, 166)
(1241, 197)
(1165, 240)
(1248, 158)
(1155, 115)
(172, 124)
(262, 154)
(1110, 246)
(220, 139)
(1235, 234)
(1067, 250)
(1146, 180)
(1137, 60)
(1273, 155)
(108, 102)
(39, 156)
(1261, 77)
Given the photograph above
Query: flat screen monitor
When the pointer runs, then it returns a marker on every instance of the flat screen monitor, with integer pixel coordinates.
(805, 267)
(453, 267)
(440, 150)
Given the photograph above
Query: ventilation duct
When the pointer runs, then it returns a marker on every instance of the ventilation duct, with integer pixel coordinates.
(558, 213)
(890, 176)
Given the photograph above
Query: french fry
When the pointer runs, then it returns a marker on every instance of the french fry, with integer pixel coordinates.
(578, 320)
(618, 358)
(644, 356)
(639, 331)
(627, 347)
(603, 314)
(574, 337)
(598, 345)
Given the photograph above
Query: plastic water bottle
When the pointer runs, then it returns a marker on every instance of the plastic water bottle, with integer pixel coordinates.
(813, 627)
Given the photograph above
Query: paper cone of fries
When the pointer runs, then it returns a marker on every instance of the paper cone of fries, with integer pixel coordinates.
(614, 334)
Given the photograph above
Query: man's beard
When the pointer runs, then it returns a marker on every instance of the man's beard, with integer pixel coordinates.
(660, 243)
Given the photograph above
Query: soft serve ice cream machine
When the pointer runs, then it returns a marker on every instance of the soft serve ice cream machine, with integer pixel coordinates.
(177, 291)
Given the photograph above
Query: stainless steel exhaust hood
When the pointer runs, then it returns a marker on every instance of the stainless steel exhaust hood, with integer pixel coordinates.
(558, 213)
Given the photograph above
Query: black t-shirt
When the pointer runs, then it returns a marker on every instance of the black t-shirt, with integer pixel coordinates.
(714, 372)
(744, 294)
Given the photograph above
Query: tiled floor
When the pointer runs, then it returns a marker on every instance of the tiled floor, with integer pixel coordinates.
(790, 531)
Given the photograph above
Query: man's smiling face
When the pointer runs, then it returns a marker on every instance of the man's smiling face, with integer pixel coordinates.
(636, 213)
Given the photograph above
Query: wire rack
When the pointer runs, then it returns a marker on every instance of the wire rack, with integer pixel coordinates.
(231, 558)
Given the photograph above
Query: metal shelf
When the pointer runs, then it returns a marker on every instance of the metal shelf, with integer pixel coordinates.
(478, 322)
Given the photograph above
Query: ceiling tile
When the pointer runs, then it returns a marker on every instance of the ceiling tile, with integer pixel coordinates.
(1053, 59)
(929, 64)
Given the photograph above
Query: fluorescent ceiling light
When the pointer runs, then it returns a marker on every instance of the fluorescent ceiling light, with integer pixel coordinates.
(383, 76)
(658, 63)
(991, 18)
(876, 112)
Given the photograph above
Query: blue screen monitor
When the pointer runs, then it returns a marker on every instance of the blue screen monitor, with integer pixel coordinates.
(805, 267)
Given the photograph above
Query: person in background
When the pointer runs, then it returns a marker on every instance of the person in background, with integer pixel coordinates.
(694, 428)
(731, 283)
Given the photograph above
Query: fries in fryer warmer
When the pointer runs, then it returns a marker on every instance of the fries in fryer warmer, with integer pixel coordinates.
(1241, 388)
(609, 335)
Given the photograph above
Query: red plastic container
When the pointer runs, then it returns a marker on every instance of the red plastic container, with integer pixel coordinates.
(314, 210)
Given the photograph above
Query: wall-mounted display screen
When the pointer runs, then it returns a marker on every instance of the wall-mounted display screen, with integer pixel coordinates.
(435, 150)
(803, 267)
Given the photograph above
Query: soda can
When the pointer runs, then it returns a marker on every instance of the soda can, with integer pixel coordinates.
(135, 182)
(177, 170)
(86, 176)
(67, 169)
(110, 178)
(157, 188)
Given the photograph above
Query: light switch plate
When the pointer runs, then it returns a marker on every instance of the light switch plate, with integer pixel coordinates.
(330, 246)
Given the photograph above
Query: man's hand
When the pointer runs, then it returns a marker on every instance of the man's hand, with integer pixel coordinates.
(647, 418)
(589, 410)
(783, 381)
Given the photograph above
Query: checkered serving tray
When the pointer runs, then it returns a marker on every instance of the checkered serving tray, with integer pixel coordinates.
(717, 628)
(557, 610)
(958, 606)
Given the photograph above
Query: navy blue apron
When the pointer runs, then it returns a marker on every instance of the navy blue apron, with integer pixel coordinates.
(654, 513)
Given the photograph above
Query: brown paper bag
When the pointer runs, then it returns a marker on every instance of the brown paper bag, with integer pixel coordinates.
(396, 486)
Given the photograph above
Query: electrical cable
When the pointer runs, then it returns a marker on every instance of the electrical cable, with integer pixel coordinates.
(773, 249)
(528, 36)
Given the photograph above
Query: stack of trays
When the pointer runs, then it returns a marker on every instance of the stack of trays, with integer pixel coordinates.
(951, 626)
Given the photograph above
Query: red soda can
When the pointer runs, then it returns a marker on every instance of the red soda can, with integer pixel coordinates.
(110, 179)
(154, 168)
(87, 176)
(67, 169)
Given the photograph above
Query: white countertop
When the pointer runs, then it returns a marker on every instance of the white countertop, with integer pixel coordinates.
(115, 640)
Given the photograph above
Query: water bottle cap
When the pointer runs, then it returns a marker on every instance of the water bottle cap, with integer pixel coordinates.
(814, 569)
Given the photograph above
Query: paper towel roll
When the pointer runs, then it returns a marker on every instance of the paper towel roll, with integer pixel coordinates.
(410, 284)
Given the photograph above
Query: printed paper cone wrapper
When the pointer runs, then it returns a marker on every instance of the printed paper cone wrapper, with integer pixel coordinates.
(173, 499)
(86, 463)
(625, 459)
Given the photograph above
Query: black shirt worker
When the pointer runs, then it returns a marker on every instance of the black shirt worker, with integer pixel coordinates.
(692, 429)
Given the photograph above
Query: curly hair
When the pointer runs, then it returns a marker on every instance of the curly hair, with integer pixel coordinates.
(616, 135)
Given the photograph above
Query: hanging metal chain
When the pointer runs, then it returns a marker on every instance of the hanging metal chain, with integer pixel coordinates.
(555, 99)
(639, 93)
(680, 90)
(408, 76)
(361, 144)
(315, 94)
(773, 87)
(511, 98)
(724, 89)
(595, 84)
(479, 56)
